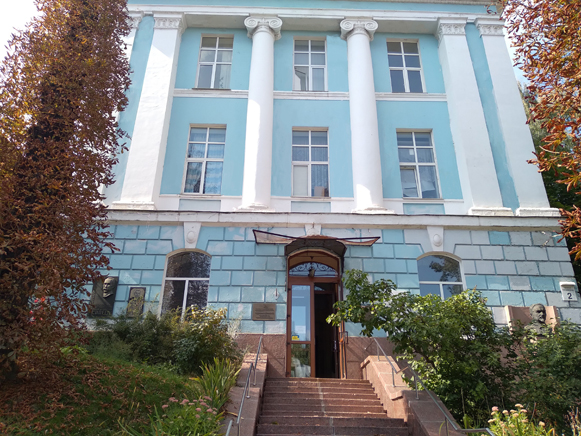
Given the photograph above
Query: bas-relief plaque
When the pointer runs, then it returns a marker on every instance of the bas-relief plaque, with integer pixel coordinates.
(263, 311)
(136, 299)
(103, 296)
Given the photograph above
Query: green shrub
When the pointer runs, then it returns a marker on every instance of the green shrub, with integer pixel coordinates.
(516, 423)
(217, 380)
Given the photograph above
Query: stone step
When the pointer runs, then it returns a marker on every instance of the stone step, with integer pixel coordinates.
(326, 414)
(327, 401)
(332, 421)
(318, 389)
(284, 396)
(316, 380)
(318, 409)
(269, 429)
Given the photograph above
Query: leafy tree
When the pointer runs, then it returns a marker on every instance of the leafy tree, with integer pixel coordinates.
(60, 86)
(547, 39)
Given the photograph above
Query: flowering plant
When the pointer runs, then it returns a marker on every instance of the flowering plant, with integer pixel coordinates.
(516, 423)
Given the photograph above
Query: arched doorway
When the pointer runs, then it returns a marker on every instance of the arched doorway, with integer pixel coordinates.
(314, 285)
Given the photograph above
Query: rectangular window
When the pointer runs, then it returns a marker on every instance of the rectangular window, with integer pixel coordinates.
(204, 160)
(417, 165)
(405, 68)
(310, 65)
(310, 161)
(215, 62)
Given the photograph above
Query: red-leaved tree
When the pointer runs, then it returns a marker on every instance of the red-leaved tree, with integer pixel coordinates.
(61, 85)
(547, 37)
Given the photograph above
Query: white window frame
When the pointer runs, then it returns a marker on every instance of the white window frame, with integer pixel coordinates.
(215, 62)
(406, 69)
(310, 66)
(415, 165)
(203, 160)
(310, 162)
(441, 284)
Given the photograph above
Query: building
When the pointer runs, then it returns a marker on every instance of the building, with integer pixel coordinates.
(278, 143)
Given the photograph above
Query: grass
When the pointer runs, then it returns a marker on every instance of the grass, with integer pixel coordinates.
(85, 395)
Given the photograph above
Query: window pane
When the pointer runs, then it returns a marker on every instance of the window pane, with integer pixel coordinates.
(410, 47)
(319, 154)
(217, 135)
(404, 139)
(318, 59)
(423, 139)
(415, 81)
(318, 138)
(189, 264)
(394, 47)
(224, 56)
(207, 55)
(301, 154)
(216, 151)
(196, 150)
(173, 295)
(193, 176)
(450, 290)
(425, 155)
(397, 84)
(300, 137)
(301, 313)
(318, 46)
(300, 180)
(412, 61)
(406, 155)
(428, 182)
(301, 45)
(318, 79)
(213, 178)
(426, 289)
(209, 41)
(226, 42)
(205, 76)
(395, 60)
(222, 79)
(438, 269)
(197, 294)
(301, 59)
(301, 79)
(198, 134)
(408, 182)
(320, 180)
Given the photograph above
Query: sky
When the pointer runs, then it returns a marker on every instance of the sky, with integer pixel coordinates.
(16, 13)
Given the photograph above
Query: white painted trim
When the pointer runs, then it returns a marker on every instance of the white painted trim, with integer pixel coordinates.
(539, 211)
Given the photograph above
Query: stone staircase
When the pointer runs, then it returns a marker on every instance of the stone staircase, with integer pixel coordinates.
(311, 406)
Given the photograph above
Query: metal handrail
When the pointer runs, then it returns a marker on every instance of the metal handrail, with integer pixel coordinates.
(446, 418)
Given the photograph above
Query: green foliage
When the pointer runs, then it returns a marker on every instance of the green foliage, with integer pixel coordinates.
(516, 423)
(217, 380)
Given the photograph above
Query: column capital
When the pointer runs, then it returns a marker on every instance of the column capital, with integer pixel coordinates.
(170, 21)
(490, 27)
(350, 27)
(271, 25)
(451, 27)
(135, 18)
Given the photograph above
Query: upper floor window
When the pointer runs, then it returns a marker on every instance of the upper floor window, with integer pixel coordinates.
(186, 281)
(204, 160)
(310, 65)
(417, 165)
(310, 161)
(439, 275)
(215, 62)
(405, 68)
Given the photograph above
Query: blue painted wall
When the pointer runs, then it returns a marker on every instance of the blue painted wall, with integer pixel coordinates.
(137, 63)
(204, 111)
(333, 115)
(190, 53)
(417, 115)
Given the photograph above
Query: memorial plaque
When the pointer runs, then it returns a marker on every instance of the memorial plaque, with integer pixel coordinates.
(263, 311)
(135, 304)
(103, 296)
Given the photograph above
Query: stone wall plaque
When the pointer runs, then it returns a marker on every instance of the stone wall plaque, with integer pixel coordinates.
(263, 311)
(103, 296)
(136, 299)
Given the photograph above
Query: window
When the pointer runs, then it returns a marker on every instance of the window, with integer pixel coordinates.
(439, 275)
(215, 62)
(405, 69)
(186, 282)
(310, 155)
(204, 160)
(417, 165)
(310, 65)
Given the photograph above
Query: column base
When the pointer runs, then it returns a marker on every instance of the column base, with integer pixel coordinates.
(538, 211)
(254, 207)
(374, 210)
(134, 205)
(490, 211)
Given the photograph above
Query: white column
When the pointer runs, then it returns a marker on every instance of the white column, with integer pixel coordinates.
(147, 151)
(480, 187)
(258, 147)
(527, 180)
(365, 155)
(134, 20)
